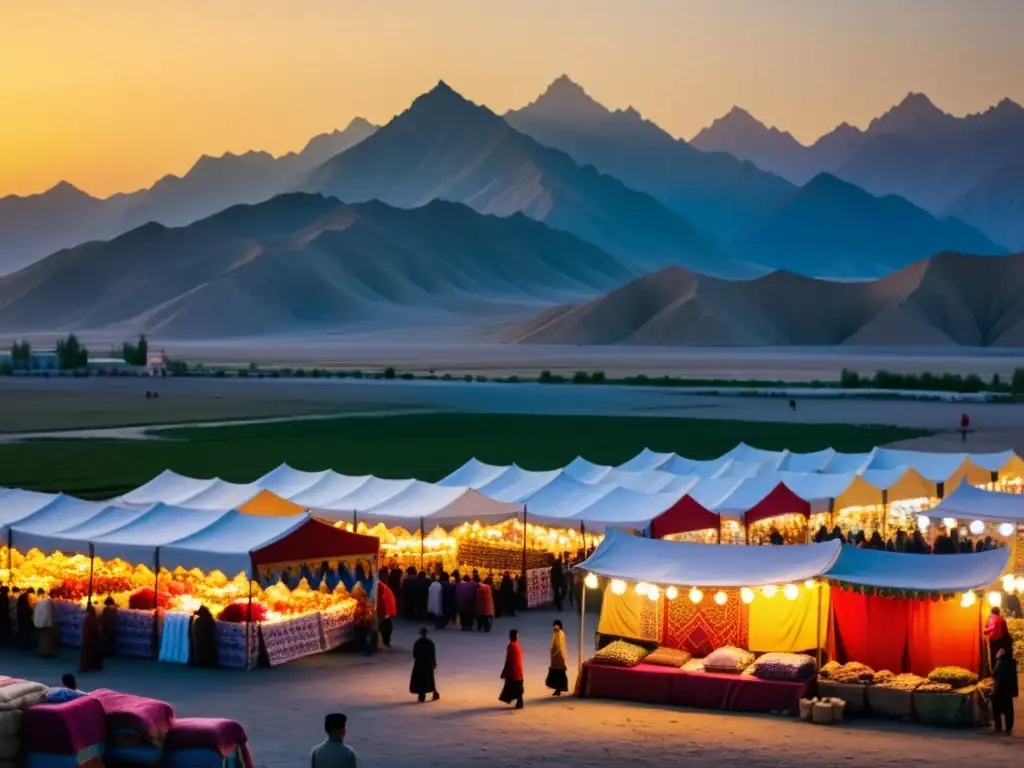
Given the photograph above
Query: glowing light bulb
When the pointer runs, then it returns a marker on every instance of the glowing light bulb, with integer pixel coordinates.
(591, 581)
(747, 595)
(1006, 529)
(790, 591)
(770, 590)
(696, 595)
(968, 599)
(1019, 583)
(949, 523)
(810, 584)
(923, 522)
(618, 587)
(995, 599)
(671, 593)
(1009, 583)
(977, 527)
(721, 598)
(652, 594)
(642, 587)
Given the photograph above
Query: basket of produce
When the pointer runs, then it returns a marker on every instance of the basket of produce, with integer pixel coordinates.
(854, 695)
(821, 712)
(950, 707)
(895, 696)
(954, 677)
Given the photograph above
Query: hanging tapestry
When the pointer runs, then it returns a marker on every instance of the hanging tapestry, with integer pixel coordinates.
(701, 628)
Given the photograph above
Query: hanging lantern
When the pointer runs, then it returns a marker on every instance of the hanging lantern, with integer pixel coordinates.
(652, 593)
(642, 587)
(1006, 529)
(696, 595)
(721, 598)
(923, 522)
(810, 584)
(977, 527)
(770, 590)
(747, 595)
(671, 593)
(949, 523)
(591, 581)
(968, 599)
(995, 599)
(618, 587)
(791, 591)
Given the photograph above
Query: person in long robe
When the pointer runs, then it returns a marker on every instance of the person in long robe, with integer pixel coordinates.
(447, 599)
(42, 619)
(407, 604)
(23, 618)
(435, 605)
(1004, 691)
(498, 607)
(386, 610)
(91, 655)
(512, 672)
(837, 534)
(557, 583)
(424, 664)
(108, 623)
(204, 633)
(507, 595)
(483, 607)
(395, 585)
(5, 616)
(422, 596)
(821, 535)
(998, 633)
(558, 679)
(465, 598)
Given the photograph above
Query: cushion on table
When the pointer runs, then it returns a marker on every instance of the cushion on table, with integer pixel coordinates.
(668, 657)
(620, 654)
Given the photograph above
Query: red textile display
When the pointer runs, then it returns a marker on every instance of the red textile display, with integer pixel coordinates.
(943, 634)
(708, 690)
(706, 626)
(684, 516)
(870, 629)
(781, 501)
(315, 541)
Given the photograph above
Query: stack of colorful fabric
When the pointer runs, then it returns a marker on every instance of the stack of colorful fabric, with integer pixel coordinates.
(135, 633)
(68, 735)
(15, 697)
(136, 728)
(231, 645)
(538, 587)
(69, 618)
(174, 638)
(207, 743)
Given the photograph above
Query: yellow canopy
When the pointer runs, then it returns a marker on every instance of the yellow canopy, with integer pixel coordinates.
(269, 504)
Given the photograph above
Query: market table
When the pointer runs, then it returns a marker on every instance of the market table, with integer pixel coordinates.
(707, 690)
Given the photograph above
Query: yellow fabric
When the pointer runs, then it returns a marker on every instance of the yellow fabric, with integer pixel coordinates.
(269, 504)
(779, 624)
(630, 615)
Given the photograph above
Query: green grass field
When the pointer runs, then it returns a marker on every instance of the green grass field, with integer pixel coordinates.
(424, 446)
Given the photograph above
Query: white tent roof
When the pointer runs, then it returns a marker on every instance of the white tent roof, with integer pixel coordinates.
(927, 573)
(221, 495)
(473, 474)
(60, 514)
(137, 541)
(329, 489)
(437, 505)
(16, 505)
(517, 484)
(587, 471)
(368, 494)
(74, 538)
(562, 499)
(806, 462)
(627, 508)
(167, 488)
(969, 503)
(935, 467)
(684, 564)
(842, 463)
(712, 491)
(678, 465)
(225, 544)
(994, 462)
(747, 453)
(746, 495)
(286, 481)
(646, 460)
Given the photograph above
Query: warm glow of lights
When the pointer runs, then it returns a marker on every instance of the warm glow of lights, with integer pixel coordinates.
(591, 581)
(770, 590)
(671, 593)
(995, 599)
(653, 594)
(747, 595)
(791, 591)
(968, 599)
(696, 595)
(1009, 583)
(642, 587)
(1019, 583)
(1006, 529)
(977, 527)
(923, 522)
(810, 584)
(721, 598)
(949, 522)
(618, 587)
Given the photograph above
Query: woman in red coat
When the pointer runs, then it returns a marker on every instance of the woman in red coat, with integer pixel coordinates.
(512, 674)
(484, 607)
(386, 608)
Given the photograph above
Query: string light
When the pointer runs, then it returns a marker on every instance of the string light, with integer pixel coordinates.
(968, 599)
(770, 590)
(977, 527)
(810, 584)
(591, 581)
(1019, 583)
(1009, 583)
(995, 599)
(652, 594)
(1005, 529)
(642, 587)
(747, 595)
(696, 595)
(790, 591)
(671, 593)
(949, 523)
(721, 598)
(618, 587)
(923, 522)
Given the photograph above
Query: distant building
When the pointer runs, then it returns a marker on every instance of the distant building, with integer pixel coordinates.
(156, 363)
(44, 359)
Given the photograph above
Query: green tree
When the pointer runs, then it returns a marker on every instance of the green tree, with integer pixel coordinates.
(71, 354)
(21, 355)
(137, 353)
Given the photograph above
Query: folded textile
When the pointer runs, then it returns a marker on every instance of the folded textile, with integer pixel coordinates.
(136, 714)
(201, 758)
(21, 694)
(10, 723)
(64, 729)
(225, 737)
(174, 645)
(90, 758)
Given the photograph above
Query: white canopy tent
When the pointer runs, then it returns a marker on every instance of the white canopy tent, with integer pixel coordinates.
(71, 536)
(138, 541)
(221, 494)
(287, 482)
(167, 488)
(432, 505)
(473, 474)
(935, 573)
(517, 484)
(60, 514)
(970, 503)
(16, 505)
(329, 489)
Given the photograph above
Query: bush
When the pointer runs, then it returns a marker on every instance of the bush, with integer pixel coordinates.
(220, 374)
(446, 377)
(71, 354)
(468, 377)
(481, 379)
(243, 373)
(849, 379)
(389, 372)
(300, 373)
(407, 376)
(581, 377)
(357, 374)
(6, 369)
(597, 377)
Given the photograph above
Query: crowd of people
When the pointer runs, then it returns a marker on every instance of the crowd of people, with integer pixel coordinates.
(949, 543)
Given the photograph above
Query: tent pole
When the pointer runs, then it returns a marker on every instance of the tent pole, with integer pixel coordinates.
(156, 606)
(524, 541)
(583, 618)
(885, 514)
(820, 587)
(248, 619)
(92, 560)
(355, 522)
(719, 530)
(421, 544)
(10, 547)
(583, 535)
(746, 532)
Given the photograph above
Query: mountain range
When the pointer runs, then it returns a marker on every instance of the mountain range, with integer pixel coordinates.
(35, 226)
(970, 167)
(302, 262)
(949, 299)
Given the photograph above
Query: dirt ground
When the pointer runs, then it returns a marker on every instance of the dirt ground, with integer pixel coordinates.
(282, 710)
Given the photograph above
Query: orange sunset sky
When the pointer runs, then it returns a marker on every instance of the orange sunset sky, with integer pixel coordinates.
(111, 95)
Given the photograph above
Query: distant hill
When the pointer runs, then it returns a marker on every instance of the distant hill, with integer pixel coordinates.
(720, 193)
(950, 299)
(300, 262)
(34, 226)
(445, 147)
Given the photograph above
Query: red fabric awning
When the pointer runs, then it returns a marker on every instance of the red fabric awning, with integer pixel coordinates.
(684, 516)
(315, 541)
(781, 501)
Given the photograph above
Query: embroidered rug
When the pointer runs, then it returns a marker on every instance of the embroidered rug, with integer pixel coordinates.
(703, 627)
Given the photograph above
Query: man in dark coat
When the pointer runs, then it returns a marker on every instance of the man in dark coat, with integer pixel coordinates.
(1004, 691)
(108, 623)
(424, 662)
(557, 582)
(507, 593)
(448, 599)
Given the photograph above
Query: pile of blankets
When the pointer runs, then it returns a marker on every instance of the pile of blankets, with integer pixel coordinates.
(16, 696)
